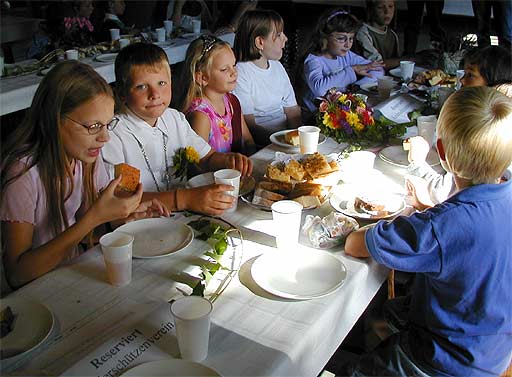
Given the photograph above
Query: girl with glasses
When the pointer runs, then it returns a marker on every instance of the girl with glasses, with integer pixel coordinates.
(330, 63)
(54, 189)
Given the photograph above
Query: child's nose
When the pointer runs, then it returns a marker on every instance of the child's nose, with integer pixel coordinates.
(154, 93)
(103, 136)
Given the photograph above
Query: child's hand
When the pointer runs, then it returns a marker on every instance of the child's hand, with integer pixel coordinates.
(148, 209)
(239, 162)
(211, 200)
(418, 149)
(417, 190)
(363, 69)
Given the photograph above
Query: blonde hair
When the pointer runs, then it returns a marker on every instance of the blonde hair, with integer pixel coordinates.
(475, 127)
(199, 59)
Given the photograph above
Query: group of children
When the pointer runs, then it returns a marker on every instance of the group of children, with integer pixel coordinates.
(57, 187)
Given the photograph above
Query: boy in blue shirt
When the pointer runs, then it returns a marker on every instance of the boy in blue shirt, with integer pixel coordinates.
(459, 318)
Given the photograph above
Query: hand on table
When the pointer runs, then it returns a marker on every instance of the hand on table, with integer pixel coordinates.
(418, 149)
(417, 189)
(148, 209)
(363, 69)
(211, 200)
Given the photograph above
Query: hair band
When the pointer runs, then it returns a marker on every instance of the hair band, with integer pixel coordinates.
(338, 13)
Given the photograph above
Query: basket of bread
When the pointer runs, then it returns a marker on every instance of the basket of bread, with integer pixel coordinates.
(435, 77)
(307, 179)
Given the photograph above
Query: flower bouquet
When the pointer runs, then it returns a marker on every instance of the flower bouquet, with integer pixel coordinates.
(182, 159)
(346, 118)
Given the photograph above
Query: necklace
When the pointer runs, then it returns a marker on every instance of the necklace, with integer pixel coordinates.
(166, 178)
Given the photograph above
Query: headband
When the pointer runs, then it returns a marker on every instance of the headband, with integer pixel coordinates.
(338, 13)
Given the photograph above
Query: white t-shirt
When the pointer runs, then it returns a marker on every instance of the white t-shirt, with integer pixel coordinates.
(265, 93)
(132, 134)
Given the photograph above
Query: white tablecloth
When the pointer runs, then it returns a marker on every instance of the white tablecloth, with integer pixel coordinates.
(253, 332)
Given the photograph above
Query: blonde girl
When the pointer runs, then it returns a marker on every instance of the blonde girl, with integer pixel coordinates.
(54, 188)
(212, 111)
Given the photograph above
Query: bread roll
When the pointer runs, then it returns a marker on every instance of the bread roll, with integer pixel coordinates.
(130, 180)
(308, 201)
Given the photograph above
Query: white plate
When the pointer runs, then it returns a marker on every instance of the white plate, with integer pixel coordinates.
(396, 155)
(158, 237)
(171, 368)
(277, 138)
(300, 275)
(247, 183)
(398, 73)
(45, 71)
(394, 205)
(165, 43)
(370, 87)
(32, 325)
(106, 58)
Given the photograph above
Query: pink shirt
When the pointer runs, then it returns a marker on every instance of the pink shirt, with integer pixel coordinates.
(24, 201)
(221, 132)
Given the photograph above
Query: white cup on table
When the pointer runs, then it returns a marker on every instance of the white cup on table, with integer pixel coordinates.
(192, 320)
(123, 42)
(460, 75)
(168, 25)
(406, 69)
(196, 26)
(427, 127)
(384, 86)
(117, 252)
(308, 139)
(160, 34)
(229, 177)
(115, 34)
(71, 54)
(286, 215)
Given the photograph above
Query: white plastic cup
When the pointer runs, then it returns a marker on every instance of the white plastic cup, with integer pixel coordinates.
(443, 93)
(308, 139)
(384, 86)
(168, 25)
(286, 215)
(229, 177)
(460, 75)
(117, 252)
(160, 34)
(406, 69)
(123, 42)
(71, 54)
(196, 26)
(427, 128)
(115, 34)
(192, 320)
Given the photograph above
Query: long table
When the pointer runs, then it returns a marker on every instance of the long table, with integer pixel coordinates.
(16, 93)
(254, 333)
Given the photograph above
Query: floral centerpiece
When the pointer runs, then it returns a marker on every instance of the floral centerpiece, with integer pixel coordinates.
(183, 158)
(347, 118)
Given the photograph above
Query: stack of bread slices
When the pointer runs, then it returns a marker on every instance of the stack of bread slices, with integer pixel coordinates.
(309, 194)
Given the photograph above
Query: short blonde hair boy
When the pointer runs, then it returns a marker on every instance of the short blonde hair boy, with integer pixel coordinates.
(475, 127)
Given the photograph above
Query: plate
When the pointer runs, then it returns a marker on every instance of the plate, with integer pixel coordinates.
(32, 325)
(190, 35)
(370, 87)
(300, 275)
(396, 155)
(171, 368)
(158, 237)
(164, 44)
(106, 58)
(398, 73)
(45, 71)
(394, 205)
(247, 183)
(277, 138)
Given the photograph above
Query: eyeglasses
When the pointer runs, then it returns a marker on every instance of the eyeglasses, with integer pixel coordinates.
(208, 43)
(95, 128)
(342, 38)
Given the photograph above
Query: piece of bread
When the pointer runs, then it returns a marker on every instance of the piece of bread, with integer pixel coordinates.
(295, 170)
(367, 205)
(273, 172)
(270, 195)
(306, 189)
(283, 188)
(308, 201)
(292, 137)
(316, 165)
(262, 201)
(130, 180)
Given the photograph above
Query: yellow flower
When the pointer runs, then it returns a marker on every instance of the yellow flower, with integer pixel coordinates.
(342, 98)
(191, 155)
(327, 120)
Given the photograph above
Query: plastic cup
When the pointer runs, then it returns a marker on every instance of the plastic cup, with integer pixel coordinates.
(406, 69)
(229, 177)
(71, 54)
(308, 139)
(443, 94)
(384, 86)
(115, 34)
(427, 128)
(196, 26)
(286, 215)
(192, 320)
(168, 25)
(123, 42)
(460, 75)
(160, 34)
(117, 252)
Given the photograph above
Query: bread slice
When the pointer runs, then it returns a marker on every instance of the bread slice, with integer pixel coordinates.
(274, 196)
(262, 201)
(316, 165)
(295, 170)
(292, 137)
(308, 201)
(130, 180)
(273, 172)
(283, 188)
(301, 189)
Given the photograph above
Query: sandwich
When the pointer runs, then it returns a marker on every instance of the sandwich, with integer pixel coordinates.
(129, 181)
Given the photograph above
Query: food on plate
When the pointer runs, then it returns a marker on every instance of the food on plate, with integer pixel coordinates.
(267, 194)
(308, 201)
(435, 77)
(6, 321)
(368, 205)
(274, 172)
(130, 180)
(309, 168)
(406, 144)
(280, 187)
(316, 165)
(292, 137)
(309, 194)
(295, 170)
(308, 188)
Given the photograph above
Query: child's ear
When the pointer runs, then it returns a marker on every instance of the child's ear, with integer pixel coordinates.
(259, 42)
(440, 149)
(201, 79)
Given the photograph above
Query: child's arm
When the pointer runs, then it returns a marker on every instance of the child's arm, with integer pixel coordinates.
(293, 116)
(355, 244)
(246, 134)
(319, 83)
(200, 123)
